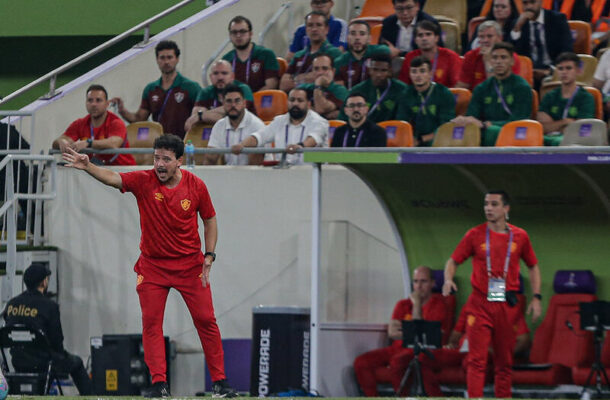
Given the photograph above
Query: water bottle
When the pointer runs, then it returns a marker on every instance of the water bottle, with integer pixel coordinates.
(189, 150)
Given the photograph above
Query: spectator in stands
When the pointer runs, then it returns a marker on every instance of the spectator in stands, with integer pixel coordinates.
(505, 13)
(326, 95)
(232, 129)
(300, 127)
(541, 35)
(398, 30)
(601, 79)
(208, 106)
(572, 9)
(382, 92)
(299, 69)
(477, 66)
(101, 129)
(421, 304)
(426, 105)
(169, 99)
(446, 63)
(359, 130)
(35, 310)
(565, 104)
(254, 65)
(500, 99)
(336, 34)
(351, 67)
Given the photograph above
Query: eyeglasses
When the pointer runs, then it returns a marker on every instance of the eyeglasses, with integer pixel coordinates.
(239, 32)
(355, 105)
(402, 9)
(236, 100)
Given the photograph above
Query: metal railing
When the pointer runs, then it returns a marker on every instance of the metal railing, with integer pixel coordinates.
(13, 197)
(52, 76)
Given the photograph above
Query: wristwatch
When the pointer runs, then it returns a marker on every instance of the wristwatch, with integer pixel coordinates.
(89, 142)
(538, 296)
(210, 253)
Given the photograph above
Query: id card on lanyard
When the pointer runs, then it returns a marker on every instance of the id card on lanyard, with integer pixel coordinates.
(496, 287)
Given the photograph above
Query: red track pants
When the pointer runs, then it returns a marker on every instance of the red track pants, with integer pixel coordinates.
(153, 287)
(491, 326)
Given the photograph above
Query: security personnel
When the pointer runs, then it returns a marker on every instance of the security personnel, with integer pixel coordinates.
(34, 309)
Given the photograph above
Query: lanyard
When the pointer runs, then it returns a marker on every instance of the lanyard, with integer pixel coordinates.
(303, 61)
(501, 98)
(240, 134)
(350, 72)
(380, 98)
(164, 104)
(488, 252)
(215, 104)
(358, 139)
(247, 65)
(569, 103)
(422, 107)
(286, 137)
(434, 64)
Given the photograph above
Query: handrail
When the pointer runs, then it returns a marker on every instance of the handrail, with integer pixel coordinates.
(273, 20)
(214, 56)
(53, 74)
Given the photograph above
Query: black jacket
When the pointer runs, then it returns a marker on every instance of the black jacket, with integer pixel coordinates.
(389, 29)
(372, 135)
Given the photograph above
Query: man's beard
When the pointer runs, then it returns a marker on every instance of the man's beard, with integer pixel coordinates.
(234, 117)
(242, 47)
(296, 113)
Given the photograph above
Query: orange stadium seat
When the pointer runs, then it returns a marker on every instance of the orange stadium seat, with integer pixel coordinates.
(535, 104)
(269, 103)
(283, 65)
(472, 26)
(400, 133)
(332, 125)
(143, 134)
(376, 33)
(525, 132)
(462, 99)
(581, 33)
(199, 134)
(599, 103)
(526, 69)
(451, 135)
(377, 8)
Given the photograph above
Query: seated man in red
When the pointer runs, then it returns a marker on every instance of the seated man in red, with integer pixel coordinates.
(101, 129)
(388, 361)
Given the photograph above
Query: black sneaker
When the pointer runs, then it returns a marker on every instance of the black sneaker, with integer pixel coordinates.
(158, 389)
(221, 389)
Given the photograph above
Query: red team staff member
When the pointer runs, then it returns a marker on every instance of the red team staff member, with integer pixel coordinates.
(496, 248)
(168, 200)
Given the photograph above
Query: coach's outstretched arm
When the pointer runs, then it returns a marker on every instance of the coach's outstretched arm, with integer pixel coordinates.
(81, 161)
(449, 285)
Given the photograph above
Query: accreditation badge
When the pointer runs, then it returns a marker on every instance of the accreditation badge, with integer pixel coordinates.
(496, 289)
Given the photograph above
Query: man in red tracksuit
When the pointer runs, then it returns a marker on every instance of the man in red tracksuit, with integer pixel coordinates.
(169, 200)
(496, 248)
(389, 363)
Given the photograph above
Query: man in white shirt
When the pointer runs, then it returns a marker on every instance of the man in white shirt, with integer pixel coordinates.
(300, 127)
(238, 124)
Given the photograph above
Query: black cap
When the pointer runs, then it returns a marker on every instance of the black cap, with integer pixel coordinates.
(35, 274)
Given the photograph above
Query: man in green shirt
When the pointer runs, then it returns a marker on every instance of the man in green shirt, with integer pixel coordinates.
(426, 105)
(383, 93)
(299, 71)
(254, 65)
(503, 98)
(351, 67)
(565, 104)
(327, 96)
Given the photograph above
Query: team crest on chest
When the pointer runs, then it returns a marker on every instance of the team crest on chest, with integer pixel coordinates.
(179, 97)
(155, 98)
(186, 204)
(159, 196)
(256, 67)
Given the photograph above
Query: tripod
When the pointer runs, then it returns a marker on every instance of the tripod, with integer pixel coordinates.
(597, 369)
(415, 369)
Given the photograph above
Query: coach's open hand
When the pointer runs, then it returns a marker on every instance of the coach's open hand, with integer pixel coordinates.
(74, 159)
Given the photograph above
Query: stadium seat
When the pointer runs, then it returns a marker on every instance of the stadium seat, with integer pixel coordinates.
(535, 104)
(372, 21)
(589, 64)
(526, 69)
(462, 99)
(456, 9)
(199, 134)
(451, 135)
(143, 134)
(377, 8)
(580, 374)
(599, 103)
(375, 33)
(269, 103)
(332, 125)
(556, 347)
(472, 26)
(525, 132)
(581, 34)
(283, 65)
(400, 133)
(585, 132)
(451, 36)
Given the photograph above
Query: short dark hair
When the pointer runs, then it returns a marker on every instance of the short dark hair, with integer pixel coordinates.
(97, 87)
(382, 57)
(321, 14)
(428, 26)
(167, 45)
(503, 195)
(357, 22)
(418, 61)
(403, 1)
(320, 55)
(504, 46)
(354, 94)
(233, 88)
(238, 19)
(169, 141)
(568, 56)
